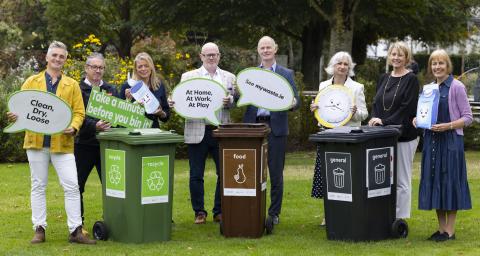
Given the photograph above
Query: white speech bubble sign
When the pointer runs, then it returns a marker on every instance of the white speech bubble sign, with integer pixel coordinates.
(265, 89)
(38, 111)
(199, 98)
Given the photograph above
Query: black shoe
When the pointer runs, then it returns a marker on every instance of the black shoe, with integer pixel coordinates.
(444, 237)
(434, 236)
(275, 219)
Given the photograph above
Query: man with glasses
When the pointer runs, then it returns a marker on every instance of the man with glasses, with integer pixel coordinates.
(198, 134)
(87, 148)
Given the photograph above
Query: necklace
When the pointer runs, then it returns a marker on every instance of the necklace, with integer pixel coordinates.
(394, 95)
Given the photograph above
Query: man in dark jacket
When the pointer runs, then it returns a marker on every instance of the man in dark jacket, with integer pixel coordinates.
(278, 123)
(87, 148)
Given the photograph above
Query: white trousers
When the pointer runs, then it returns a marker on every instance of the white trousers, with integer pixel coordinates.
(67, 174)
(406, 153)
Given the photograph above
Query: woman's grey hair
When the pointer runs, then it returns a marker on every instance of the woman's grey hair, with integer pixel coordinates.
(57, 44)
(95, 55)
(337, 58)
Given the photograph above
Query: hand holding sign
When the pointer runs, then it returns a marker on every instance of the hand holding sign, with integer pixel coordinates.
(199, 98)
(140, 92)
(38, 111)
(265, 89)
(116, 111)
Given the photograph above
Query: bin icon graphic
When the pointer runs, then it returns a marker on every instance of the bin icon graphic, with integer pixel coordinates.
(379, 174)
(338, 178)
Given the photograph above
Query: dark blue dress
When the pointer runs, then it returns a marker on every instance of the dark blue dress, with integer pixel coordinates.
(443, 182)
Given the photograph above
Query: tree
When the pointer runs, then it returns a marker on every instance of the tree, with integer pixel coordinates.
(243, 22)
(27, 17)
(115, 22)
(341, 20)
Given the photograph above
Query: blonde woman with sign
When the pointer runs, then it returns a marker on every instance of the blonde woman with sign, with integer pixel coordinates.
(340, 102)
(144, 70)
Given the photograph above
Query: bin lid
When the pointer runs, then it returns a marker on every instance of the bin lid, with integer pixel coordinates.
(355, 134)
(242, 130)
(140, 136)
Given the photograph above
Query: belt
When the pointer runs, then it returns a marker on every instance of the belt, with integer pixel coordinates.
(210, 127)
(263, 118)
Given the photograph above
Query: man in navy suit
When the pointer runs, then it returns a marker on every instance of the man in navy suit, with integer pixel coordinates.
(278, 122)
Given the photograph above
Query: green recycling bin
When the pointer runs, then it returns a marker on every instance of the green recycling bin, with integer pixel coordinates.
(137, 184)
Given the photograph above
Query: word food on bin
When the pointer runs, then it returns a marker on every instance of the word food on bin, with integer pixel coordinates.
(199, 98)
(264, 89)
(38, 111)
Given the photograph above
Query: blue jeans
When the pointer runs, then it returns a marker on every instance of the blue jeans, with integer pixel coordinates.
(197, 156)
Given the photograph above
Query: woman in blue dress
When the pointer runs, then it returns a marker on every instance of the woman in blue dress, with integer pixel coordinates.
(443, 182)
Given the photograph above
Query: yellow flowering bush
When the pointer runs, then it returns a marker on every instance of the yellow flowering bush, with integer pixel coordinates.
(116, 68)
(170, 63)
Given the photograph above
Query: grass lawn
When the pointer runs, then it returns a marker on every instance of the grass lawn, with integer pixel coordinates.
(299, 232)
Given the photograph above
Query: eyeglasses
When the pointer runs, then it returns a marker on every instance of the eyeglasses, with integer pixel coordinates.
(99, 68)
(211, 55)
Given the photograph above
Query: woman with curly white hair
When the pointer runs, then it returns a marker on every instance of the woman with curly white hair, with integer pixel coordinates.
(340, 68)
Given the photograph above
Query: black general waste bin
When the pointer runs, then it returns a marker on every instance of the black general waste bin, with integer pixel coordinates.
(359, 182)
(243, 161)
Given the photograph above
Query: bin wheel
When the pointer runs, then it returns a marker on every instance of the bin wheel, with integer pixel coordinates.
(399, 228)
(221, 227)
(269, 225)
(100, 231)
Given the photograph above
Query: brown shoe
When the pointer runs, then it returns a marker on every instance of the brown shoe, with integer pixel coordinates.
(201, 218)
(39, 236)
(217, 218)
(78, 237)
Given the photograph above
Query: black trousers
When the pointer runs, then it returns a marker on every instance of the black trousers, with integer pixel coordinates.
(86, 157)
(276, 164)
(197, 156)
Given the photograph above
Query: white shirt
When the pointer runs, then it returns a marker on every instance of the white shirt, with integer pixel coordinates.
(90, 83)
(216, 77)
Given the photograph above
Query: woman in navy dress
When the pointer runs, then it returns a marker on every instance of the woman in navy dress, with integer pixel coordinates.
(443, 182)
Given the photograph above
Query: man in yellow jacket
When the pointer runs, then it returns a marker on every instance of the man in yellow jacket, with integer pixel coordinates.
(58, 149)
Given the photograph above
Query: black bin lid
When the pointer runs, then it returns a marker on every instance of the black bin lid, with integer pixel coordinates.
(347, 134)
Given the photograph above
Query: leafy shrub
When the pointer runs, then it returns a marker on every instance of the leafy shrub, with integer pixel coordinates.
(11, 143)
(301, 122)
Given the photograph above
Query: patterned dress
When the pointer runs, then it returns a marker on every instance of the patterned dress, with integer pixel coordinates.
(317, 186)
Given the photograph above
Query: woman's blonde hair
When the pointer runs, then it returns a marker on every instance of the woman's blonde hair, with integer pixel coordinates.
(153, 80)
(440, 54)
(403, 48)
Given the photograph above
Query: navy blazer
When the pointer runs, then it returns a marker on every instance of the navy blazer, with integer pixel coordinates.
(278, 119)
(161, 96)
